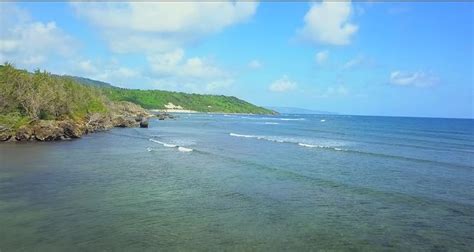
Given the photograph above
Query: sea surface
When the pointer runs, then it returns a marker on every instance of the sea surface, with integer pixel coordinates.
(236, 182)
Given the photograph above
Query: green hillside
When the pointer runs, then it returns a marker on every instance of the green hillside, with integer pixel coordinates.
(89, 82)
(156, 99)
(26, 96)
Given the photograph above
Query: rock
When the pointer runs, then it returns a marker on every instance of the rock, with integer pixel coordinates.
(98, 122)
(71, 129)
(121, 114)
(128, 109)
(124, 122)
(47, 131)
(5, 134)
(24, 133)
(144, 123)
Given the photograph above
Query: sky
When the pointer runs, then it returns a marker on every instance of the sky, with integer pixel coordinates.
(361, 58)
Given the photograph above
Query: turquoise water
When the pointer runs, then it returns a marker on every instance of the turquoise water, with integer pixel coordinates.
(290, 182)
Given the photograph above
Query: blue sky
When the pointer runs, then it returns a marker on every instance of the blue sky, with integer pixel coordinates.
(400, 59)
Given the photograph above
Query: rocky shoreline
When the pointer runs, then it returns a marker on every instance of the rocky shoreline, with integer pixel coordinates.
(124, 115)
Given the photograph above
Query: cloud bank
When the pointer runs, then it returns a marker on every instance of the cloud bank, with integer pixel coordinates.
(416, 79)
(329, 23)
(284, 84)
(161, 26)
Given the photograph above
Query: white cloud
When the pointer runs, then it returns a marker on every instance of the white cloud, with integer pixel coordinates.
(161, 26)
(359, 61)
(174, 64)
(329, 23)
(417, 79)
(332, 91)
(255, 64)
(28, 43)
(109, 71)
(322, 56)
(87, 66)
(353, 62)
(161, 30)
(172, 70)
(284, 84)
(337, 91)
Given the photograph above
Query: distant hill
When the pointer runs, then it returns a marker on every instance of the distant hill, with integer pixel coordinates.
(293, 110)
(88, 81)
(157, 99)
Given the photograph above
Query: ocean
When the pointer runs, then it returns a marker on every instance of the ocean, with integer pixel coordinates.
(245, 182)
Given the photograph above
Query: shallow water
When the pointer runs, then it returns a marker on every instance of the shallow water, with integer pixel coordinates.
(213, 182)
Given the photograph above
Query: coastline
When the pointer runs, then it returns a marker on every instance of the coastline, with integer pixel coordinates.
(187, 111)
(173, 111)
(122, 115)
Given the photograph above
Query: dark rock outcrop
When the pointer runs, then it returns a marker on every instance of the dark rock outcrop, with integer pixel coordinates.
(144, 123)
(72, 129)
(23, 133)
(47, 130)
(5, 133)
(122, 114)
(163, 116)
(124, 122)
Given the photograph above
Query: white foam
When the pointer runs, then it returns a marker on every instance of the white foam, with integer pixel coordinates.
(292, 140)
(292, 119)
(246, 136)
(273, 118)
(183, 149)
(322, 120)
(271, 123)
(180, 148)
(155, 141)
(149, 149)
(307, 145)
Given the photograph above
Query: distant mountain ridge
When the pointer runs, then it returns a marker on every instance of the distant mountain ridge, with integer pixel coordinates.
(293, 110)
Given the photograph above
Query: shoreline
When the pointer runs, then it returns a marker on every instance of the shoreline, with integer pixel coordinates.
(186, 111)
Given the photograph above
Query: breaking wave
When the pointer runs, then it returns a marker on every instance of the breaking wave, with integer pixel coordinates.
(183, 149)
(293, 140)
(273, 118)
(180, 148)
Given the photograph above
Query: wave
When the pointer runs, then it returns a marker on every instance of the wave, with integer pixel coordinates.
(271, 123)
(292, 119)
(273, 118)
(183, 149)
(246, 136)
(290, 140)
(180, 148)
(320, 146)
(337, 147)
(307, 145)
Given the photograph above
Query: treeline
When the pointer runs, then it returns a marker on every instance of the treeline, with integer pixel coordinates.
(157, 99)
(26, 96)
(41, 95)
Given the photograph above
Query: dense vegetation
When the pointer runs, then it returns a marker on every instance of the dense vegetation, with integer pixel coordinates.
(28, 96)
(156, 99)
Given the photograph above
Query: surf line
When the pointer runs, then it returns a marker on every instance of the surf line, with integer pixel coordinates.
(180, 148)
